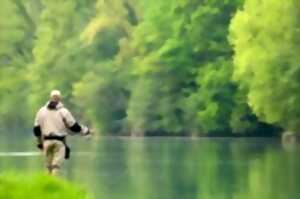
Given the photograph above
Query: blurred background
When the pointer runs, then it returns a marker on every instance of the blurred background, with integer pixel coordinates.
(150, 67)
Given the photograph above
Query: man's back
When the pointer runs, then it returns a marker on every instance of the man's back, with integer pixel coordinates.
(51, 126)
(54, 120)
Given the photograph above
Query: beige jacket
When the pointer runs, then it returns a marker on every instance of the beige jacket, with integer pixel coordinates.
(54, 122)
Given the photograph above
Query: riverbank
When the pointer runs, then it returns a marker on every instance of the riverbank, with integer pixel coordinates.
(36, 186)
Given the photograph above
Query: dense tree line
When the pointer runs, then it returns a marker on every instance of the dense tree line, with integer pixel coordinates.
(153, 67)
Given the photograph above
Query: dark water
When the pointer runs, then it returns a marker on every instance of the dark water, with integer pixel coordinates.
(174, 168)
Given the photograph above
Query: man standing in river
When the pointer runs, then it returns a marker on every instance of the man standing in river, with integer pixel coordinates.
(51, 126)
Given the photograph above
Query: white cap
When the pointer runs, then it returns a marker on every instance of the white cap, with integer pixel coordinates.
(55, 93)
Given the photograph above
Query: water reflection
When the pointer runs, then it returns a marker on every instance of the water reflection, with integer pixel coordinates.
(171, 168)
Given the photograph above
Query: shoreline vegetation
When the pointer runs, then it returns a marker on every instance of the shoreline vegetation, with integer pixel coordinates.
(152, 67)
(36, 186)
(275, 133)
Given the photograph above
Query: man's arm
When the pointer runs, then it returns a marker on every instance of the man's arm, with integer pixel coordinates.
(37, 130)
(72, 124)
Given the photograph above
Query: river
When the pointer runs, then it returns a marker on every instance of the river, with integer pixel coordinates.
(171, 168)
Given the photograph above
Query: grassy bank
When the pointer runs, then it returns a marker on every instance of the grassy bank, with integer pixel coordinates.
(36, 186)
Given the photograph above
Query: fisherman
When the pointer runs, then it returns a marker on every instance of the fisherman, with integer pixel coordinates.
(52, 124)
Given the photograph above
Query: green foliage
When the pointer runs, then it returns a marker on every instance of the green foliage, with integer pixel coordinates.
(136, 67)
(38, 186)
(56, 63)
(101, 98)
(266, 59)
(16, 41)
(178, 56)
(216, 90)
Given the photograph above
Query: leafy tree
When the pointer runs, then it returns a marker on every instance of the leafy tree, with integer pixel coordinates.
(147, 66)
(17, 26)
(266, 59)
(180, 51)
(56, 62)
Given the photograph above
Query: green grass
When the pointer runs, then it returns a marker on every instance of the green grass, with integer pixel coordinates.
(37, 186)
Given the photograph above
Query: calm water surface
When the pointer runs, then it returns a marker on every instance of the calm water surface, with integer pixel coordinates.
(172, 168)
